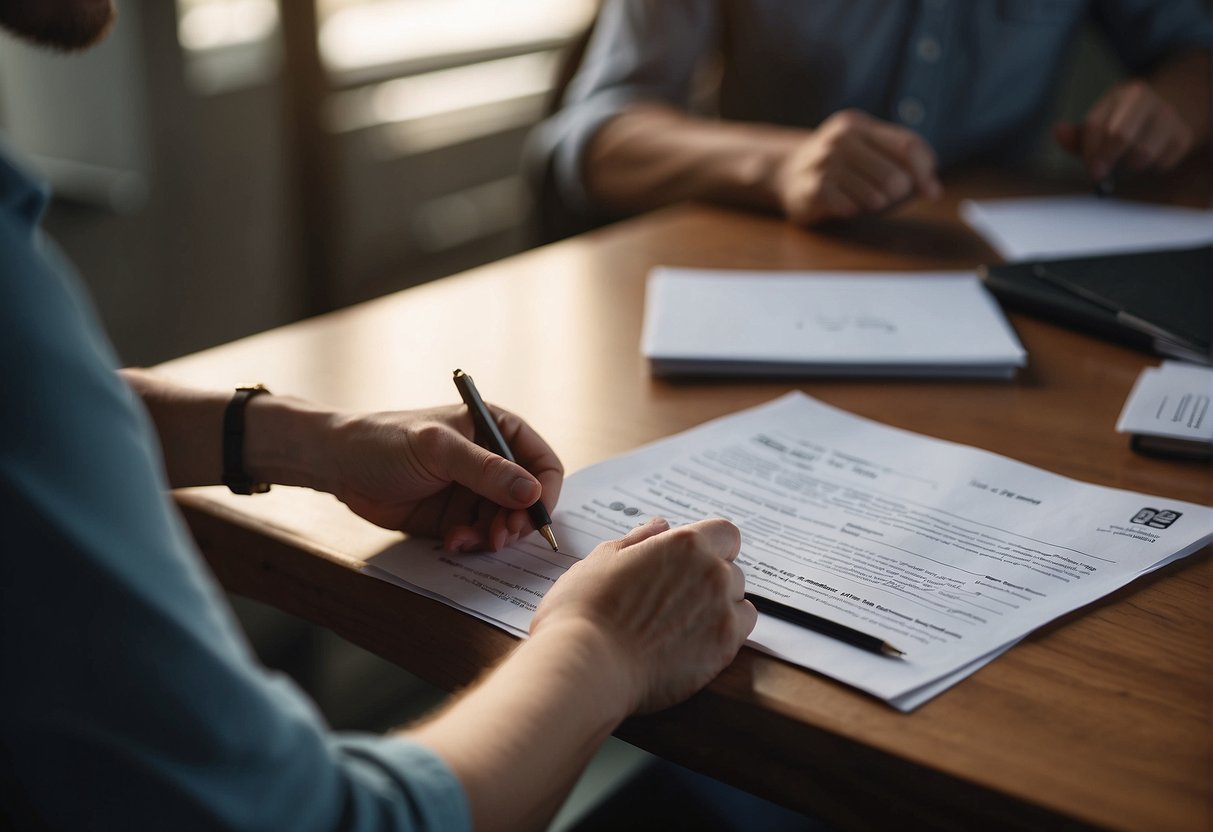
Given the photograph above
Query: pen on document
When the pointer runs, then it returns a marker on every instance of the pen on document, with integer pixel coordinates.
(1126, 319)
(487, 426)
(822, 625)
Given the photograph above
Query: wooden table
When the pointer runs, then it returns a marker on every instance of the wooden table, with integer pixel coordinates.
(1100, 719)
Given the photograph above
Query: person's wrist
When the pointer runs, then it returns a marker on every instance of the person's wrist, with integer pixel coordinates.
(604, 667)
(761, 174)
(285, 442)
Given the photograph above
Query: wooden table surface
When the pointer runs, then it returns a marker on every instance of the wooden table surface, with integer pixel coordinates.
(1100, 719)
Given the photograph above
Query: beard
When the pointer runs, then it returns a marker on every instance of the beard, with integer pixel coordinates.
(69, 25)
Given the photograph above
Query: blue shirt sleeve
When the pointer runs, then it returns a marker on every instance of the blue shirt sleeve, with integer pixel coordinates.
(129, 699)
(975, 80)
(1145, 32)
(641, 50)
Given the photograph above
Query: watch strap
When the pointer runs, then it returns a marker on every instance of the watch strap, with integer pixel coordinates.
(235, 476)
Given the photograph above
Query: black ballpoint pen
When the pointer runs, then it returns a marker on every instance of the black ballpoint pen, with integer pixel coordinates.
(486, 425)
(822, 625)
(1124, 317)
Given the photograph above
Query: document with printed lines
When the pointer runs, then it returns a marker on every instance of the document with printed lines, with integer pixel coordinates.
(949, 553)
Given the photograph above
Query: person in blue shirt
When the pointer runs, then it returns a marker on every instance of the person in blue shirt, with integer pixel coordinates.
(128, 698)
(836, 108)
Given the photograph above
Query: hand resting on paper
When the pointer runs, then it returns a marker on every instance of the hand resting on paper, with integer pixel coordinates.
(668, 604)
(641, 623)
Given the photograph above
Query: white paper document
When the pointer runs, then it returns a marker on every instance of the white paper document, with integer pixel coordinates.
(1172, 401)
(723, 322)
(947, 552)
(1076, 226)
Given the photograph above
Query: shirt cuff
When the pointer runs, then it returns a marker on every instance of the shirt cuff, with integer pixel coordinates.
(414, 775)
(559, 145)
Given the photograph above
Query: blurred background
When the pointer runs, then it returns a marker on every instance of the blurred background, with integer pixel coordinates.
(297, 156)
(226, 166)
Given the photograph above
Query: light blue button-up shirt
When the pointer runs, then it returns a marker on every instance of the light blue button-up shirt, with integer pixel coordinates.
(974, 77)
(128, 698)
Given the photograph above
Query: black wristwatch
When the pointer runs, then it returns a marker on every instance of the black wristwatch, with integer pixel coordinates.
(234, 475)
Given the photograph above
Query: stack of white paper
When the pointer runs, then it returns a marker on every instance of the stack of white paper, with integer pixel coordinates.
(947, 552)
(1168, 409)
(1074, 226)
(713, 322)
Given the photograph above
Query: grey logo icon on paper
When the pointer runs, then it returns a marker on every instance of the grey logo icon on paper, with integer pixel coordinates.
(1156, 518)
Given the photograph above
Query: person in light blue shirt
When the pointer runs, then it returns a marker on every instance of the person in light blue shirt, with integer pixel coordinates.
(128, 698)
(834, 108)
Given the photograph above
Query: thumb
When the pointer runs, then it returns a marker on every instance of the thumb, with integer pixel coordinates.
(489, 475)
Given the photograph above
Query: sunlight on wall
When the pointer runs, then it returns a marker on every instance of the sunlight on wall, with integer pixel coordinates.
(355, 34)
(214, 24)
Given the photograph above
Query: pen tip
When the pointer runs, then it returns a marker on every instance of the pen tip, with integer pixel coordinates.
(457, 372)
(550, 537)
(890, 650)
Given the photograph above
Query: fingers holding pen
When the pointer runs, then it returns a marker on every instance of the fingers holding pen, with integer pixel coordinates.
(538, 458)
(532, 453)
(1131, 126)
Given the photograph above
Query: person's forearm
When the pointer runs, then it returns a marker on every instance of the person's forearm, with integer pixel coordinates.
(653, 155)
(283, 436)
(519, 739)
(1184, 83)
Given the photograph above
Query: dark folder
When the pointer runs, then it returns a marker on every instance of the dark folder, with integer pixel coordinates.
(1160, 301)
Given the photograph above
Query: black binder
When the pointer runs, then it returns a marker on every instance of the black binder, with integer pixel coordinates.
(1160, 301)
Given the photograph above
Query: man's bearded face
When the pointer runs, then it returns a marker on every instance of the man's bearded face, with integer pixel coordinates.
(69, 25)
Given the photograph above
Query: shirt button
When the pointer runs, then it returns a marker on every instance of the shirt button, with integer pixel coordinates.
(928, 49)
(911, 111)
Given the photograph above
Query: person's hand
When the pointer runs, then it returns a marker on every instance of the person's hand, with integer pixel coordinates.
(1131, 125)
(854, 164)
(669, 604)
(420, 472)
